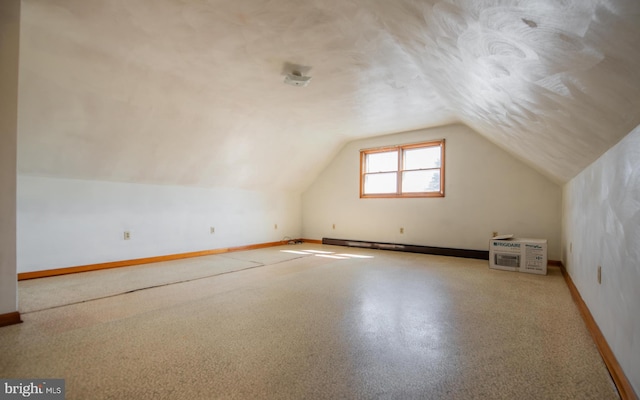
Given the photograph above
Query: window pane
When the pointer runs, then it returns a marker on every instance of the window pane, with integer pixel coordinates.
(421, 181)
(380, 183)
(382, 162)
(421, 158)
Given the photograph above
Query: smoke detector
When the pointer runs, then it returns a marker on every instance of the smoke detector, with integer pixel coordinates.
(296, 78)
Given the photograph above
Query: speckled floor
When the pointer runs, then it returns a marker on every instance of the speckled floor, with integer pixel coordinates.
(307, 326)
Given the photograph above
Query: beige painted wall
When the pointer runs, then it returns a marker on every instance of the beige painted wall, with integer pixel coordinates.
(487, 190)
(9, 45)
(601, 227)
(70, 222)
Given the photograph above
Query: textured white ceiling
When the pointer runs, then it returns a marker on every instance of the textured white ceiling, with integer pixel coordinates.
(191, 92)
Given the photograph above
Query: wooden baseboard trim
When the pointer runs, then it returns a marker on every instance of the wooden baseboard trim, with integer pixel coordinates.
(315, 241)
(554, 263)
(11, 318)
(622, 383)
(138, 261)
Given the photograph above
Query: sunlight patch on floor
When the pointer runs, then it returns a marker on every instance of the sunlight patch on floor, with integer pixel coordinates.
(326, 254)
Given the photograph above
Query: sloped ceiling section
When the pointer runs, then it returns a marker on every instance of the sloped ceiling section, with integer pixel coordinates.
(192, 92)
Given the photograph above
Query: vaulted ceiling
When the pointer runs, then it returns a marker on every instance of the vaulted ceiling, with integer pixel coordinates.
(191, 92)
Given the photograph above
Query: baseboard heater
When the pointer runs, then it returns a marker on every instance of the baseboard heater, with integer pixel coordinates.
(409, 248)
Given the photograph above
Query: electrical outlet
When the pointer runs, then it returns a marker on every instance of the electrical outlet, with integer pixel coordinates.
(599, 274)
(127, 235)
(275, 226)
(334, 226)
(494, 234)
(212, 230)
(401, 230)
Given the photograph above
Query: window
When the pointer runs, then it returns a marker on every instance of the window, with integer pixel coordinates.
(412, 170)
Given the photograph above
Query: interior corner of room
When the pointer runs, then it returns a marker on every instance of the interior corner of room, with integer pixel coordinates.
(114, 154)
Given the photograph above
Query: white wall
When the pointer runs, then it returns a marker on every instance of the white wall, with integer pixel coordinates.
(486, 190)
(67, 222)
(601, 226)
(9, 41)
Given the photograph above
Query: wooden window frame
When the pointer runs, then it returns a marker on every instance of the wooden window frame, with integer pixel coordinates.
(400, 149)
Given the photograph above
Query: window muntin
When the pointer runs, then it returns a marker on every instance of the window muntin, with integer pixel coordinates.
(414, 170)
